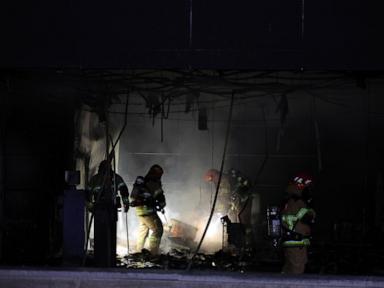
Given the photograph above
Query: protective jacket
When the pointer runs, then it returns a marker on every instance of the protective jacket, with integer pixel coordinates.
(240, 190)
(97, 184)
(296, 218)
(147, 196)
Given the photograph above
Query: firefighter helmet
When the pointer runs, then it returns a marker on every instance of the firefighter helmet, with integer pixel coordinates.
(211, 175)
(103, 166)
(155, 172)
(302, 180)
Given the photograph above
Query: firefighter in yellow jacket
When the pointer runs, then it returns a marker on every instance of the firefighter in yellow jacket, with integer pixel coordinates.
(147, 197)
(297, 217)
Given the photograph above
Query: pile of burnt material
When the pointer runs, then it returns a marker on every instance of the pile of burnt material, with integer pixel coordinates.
(179, 240)
(181, 236)
(143, 259)
(179, 260)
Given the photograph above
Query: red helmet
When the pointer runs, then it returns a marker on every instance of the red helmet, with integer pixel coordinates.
(211, 175)
(302, 180)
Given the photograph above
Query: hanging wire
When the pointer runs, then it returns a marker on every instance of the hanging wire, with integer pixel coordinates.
(218, 183)
(105, 178)
(126, 228)
(212, 145)
(162, 120)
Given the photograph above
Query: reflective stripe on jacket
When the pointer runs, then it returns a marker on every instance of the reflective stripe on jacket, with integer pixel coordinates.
(145, 210)
(296, 243)
(297, 233)
(291, 220)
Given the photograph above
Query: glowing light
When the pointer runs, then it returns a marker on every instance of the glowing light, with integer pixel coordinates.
(121, 250)
(213, 238)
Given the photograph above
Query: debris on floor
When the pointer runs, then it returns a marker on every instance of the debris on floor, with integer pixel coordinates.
(179, 259)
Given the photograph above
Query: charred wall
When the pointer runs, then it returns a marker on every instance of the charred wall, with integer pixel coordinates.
(333, 131)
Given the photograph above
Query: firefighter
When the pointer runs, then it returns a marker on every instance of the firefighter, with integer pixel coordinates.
(148, 198)
(297, 217)
(233, 192)
(240, 191)
(223, 204)
(97, 184)
(104, 202)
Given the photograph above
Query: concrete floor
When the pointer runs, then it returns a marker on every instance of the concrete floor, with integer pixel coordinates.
(105, 278)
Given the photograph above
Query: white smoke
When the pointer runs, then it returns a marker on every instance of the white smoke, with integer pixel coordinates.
(186, 154)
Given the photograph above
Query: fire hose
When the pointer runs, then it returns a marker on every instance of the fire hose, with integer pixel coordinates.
(165, 218)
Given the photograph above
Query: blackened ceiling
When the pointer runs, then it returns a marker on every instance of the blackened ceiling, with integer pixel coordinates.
(262, 34)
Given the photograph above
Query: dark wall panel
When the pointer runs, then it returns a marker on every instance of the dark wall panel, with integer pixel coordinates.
(246, 24)
(225, 34)
(37, 32)
(110, 29)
